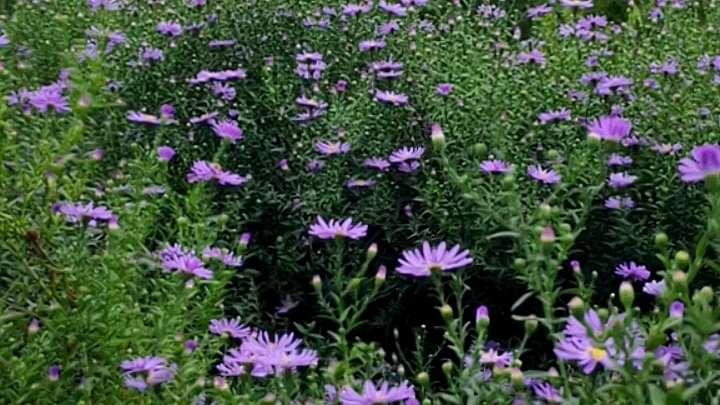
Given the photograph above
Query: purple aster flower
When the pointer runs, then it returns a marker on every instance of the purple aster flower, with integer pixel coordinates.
(609, 128)
(335, 229)
(405, 154)
(376, 163)
(230, 327)
(407, 167)
(359, 183)
(49, 98)
(580, 4)
(620, 180)
(153, 190)
(544, 176)
(654, 287)
(494, 166)
(332, 148)
(204, 118)
(156, 369)
(75, 212)
(227, 129)
(677, 310)
(631, 270)
(165, 153)
(557, 115)
(422, 262)
(286, 305)
(108, 5)
(135, 116)
(494, 358)
(143, 364)
(230, 179)
(202, 171)
(372, 394)
(539, 11)
(548, 393)
(171, 28)
(666, 148)
(187, 263)
(443, 89)
(389, 97)
(372, 44)
(534, 56)
(54, 373)
(619, 202)
(704, 162)
(585, 352)
(315, 165)
(394, 9)
(619, 160)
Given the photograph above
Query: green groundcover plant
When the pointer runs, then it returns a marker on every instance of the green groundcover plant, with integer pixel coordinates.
(406, 201)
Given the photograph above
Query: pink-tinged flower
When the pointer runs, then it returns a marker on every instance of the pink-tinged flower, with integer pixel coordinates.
(54, 373)
(377, 163)
(227, 129)
(371, 394)
(543, 175)
(621, 180)
(135, 116)
(389, 97)
(494, 166)
(494, 358)
(557, 115)
(666, 148)
(165, 153)
(583, 4)
(443, 89)
(631, 270)
(608, 128)
(75, 212)
(429, 259)
(704, 162)
(332, 148)
(654, 288)
(618, 160)
(188, 264)
(359, 183)
(335, 229)
(231, 327)
(405, 154)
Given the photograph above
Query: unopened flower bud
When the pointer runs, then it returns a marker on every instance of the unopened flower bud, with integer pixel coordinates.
(479, 149)
(545, 210)
(627, 294)
(317, 283)
(682, 259)
(531, 325)
(447, 367)
(396, 333)
(34, 326)
(508, 182)
(380, 276)
(437, 137)
(447, 312)
(520, 264)
(423, 378)
(268, 399)
(547, 236)
(677, 310)
(482, 317)
(553, 154)
(182, 221)
(354, 284)
(401, 370)
(603, 313)
(517, 378)
(577, 307)
(564, 228)
(244, 239)
(553, 374)
(222, 219)
(575, 265)
(707, 294)
(661, 240)
(220, 384)
(371, 252)
(679, 279)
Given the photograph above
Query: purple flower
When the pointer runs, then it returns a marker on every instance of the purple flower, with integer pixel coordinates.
(677, 309)
(705, 161)
(49, 98)
(422, 262)
(394, 9)
(584, 351)
(231, 327)
(494, 358)
(171, 28)
(332, 148)
(156, 369)
(359, 183)
(444, 89)
(371, 44)
(135, 116)
(227, 129)
(372, 394)
(109, 5)
(616, 202)
(620, 180)
(204, 118)
(389, 97)
(165, 153)
(315, 165)
(53, 373)
(609, 128)
(631, 270)
(494, 166)
(576, 4)
(407, 167)
(377, 163)
(335, 229)
(547, 392)
(654, 287)
(619, 160)
(558, 115)
(534, 56)
(75, 212)
(187, 263)
(405, 154)
(286, 305)
(544, 176)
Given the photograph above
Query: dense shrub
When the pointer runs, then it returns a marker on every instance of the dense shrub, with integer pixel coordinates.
(378, 179)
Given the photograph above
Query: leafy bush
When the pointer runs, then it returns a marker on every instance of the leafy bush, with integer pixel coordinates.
(190, 188)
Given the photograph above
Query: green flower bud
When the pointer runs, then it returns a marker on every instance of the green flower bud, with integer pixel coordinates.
(371, 252)
(508, 182)
(447, 312)
(479, 149)
(447, 367)
(627, 294)
(682, 259)
(317, 283)
(661, 240)
(222, 219)
(531, 325)
(354, 284)
(520, 264)
(517, 378)
(423, 378)
(577, 307)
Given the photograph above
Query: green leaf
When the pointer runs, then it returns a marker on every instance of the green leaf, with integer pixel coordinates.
(692, 391)
(449, 398)
(521, 300)
(657, 395)
(504, 234)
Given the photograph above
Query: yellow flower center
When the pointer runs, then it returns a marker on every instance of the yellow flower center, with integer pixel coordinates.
(597, 353)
